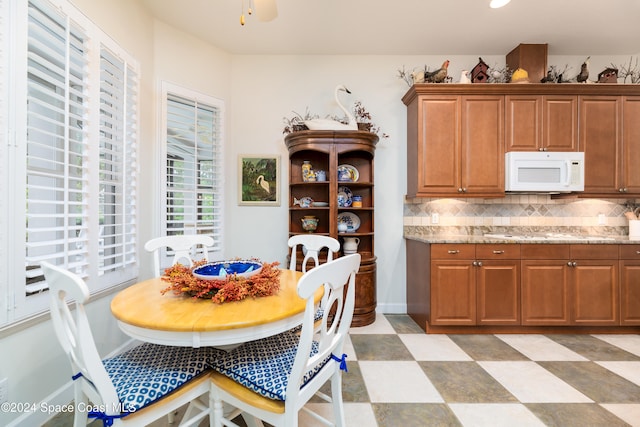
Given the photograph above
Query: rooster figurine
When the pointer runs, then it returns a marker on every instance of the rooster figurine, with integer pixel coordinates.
(437, 76)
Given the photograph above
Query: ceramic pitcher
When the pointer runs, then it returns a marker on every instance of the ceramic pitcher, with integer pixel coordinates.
(350, 245)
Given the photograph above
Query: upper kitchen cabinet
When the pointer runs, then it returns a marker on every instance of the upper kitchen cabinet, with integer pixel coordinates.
(610, 138)
(455, 142)
(541, 122)
(457, 135)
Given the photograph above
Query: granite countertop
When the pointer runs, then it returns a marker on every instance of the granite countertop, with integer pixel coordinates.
(520, 238)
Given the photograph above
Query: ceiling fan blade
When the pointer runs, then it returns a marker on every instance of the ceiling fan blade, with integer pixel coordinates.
(267, 10)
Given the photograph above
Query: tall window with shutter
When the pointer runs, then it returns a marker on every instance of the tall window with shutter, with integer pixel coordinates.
(193, 180)
(72, 153)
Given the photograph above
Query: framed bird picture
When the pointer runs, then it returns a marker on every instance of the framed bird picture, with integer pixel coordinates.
(259, 178)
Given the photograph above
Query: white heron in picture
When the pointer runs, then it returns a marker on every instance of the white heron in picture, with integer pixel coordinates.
(263, 183)
(328, 124)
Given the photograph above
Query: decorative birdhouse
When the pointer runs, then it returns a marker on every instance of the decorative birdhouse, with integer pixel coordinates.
(480, 73)
(609, 75)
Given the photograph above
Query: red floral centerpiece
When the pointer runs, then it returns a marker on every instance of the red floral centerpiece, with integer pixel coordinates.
(232, 288)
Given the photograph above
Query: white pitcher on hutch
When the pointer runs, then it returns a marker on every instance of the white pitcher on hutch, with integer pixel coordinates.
(350, 245)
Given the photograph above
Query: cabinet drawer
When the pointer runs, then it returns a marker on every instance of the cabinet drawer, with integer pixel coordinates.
(498, 251)
(453, 251)
(594, 251)
(545, 252)
(629, 251)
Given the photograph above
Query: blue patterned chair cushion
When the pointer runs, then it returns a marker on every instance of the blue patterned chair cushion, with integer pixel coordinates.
(264, 365)
(148, 372)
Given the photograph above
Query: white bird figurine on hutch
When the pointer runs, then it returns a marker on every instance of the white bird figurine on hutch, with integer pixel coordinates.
(328, 124)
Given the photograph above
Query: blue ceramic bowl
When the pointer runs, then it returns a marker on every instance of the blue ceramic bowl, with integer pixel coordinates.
(219, 270)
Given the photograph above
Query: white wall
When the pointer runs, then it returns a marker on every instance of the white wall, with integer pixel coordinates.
(259, 91)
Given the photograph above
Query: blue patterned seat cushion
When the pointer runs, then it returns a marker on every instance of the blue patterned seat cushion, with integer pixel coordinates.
(264, 365)
(148, 372)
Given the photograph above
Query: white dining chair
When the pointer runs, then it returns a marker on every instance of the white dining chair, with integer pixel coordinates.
(183, 246)
(133, 388)
(273, 378)
(310, 246)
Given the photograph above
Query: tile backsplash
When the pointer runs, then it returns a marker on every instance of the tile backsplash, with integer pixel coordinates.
(526, 212)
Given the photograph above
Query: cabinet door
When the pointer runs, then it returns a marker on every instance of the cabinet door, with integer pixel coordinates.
(545, 292)
(498, 292)
(453, 292)
(600, 141)
(595, 292)
(630, 292)
(630, 284)
(523, 122)
(560, 123)
(631, 144)
(438, 139)
(482, 146)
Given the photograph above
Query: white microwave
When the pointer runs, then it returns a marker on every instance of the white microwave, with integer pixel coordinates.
(544, 171)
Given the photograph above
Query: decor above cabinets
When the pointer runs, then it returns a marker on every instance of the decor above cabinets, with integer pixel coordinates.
(457, 135)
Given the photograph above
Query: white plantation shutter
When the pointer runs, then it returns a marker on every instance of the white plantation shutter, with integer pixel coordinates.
(193, 165)
(56, 171)
(118, 100)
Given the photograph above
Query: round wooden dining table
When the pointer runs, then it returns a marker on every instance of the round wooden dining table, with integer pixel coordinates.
(144, 313)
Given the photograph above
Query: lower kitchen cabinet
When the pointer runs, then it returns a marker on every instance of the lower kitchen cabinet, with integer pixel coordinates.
(498, 284)
(570, 285)
(630, 285)
(522, 286)
(475, 284)
(546, 291)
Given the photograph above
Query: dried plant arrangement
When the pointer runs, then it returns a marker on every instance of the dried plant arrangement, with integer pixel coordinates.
(630, 71)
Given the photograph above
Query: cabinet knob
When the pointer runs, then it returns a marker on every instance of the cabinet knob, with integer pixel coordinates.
(498, 252)
(474, 263)
(569, 263)
(453, 251)
(464, 190)
(479, 263)
(460, 190)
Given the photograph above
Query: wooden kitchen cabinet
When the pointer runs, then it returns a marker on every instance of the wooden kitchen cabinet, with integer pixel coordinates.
(610, 139)
(475, 284)
(546, 291)
(455, 145)
(595, 285)
(457, 135)
(453, 285)
(630, 285)
(631, 144)
(520, 288)
(498, 284)
(326, 150)
(570, 285)
(541, 122)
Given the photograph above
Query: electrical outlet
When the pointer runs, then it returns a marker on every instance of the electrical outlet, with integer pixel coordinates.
(601, 219)
(435, 218)
(4, 390)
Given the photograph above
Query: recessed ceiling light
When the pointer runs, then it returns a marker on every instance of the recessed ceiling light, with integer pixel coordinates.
(498, 3)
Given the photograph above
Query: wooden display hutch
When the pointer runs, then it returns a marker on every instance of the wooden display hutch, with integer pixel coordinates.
(326, 150)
